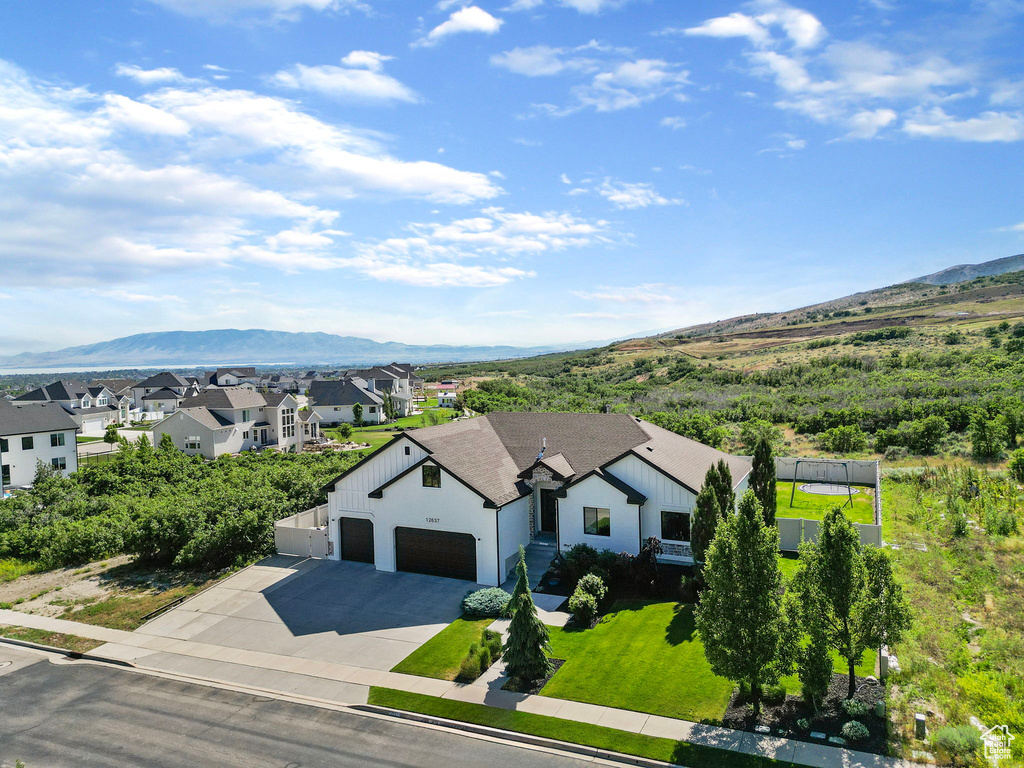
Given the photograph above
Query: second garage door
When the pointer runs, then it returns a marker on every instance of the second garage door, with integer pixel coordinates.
(356, 539)
(436, 553)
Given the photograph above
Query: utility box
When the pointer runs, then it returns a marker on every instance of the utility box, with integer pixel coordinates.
(920, 726)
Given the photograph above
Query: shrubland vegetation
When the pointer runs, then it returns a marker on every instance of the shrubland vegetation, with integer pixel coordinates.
(163, 506)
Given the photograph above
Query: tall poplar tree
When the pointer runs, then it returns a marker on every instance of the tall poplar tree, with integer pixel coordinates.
(740, 617)
(762, 479)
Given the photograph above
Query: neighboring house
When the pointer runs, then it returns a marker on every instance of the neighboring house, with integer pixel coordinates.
(31, 433)
(279, 383)
(169, 388)
(446, 399)
(333, 401)
(231, 420)
(231, 377)
(92, 406)
(310, 422)
(459, 499)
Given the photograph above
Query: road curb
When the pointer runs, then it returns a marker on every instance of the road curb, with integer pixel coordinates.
(522, 738)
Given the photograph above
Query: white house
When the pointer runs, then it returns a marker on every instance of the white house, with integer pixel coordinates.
(446, 399)
(333, 401)
(231, 420)
(31, 433)
(93, 406)
(162, 392)
(458, 499)
(231, 377)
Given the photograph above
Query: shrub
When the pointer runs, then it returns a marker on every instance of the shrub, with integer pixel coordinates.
(469, 670)
(583, 607)
(579, 559)
(856, 708)
(843, 439)
(485, 658)
(803, 724)
(854, 731)
(960, 527)
(1016, 465)
(774, 694)
(486, 602)
(492, 641)
(960, 743)
(593, 585)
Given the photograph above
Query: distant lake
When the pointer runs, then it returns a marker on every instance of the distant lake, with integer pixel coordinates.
(168, 367)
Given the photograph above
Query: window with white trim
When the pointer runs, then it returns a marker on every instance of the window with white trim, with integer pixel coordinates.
(56, 439)
(193, 443)
(59, 462)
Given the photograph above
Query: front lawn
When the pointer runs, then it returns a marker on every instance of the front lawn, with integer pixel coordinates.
(419, 420)
(667, 750)
(442, 654)
(813, 506)
(643, 656)
(53, 639)
(87, 439)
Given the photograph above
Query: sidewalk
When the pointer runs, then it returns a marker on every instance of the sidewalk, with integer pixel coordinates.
(344, 684)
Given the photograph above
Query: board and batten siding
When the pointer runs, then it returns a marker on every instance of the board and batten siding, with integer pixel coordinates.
(350, 493)
(624, 533)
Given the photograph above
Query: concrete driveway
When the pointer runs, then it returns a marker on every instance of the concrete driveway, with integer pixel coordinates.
(339, 612)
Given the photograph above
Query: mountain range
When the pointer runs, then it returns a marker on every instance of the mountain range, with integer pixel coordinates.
(259, 347)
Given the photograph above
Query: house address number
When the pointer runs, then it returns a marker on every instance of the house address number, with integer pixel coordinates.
(433, 519)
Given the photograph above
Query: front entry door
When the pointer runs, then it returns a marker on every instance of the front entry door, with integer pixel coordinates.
(547, 510)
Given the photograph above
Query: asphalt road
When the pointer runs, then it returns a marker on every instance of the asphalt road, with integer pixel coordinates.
(76, 715)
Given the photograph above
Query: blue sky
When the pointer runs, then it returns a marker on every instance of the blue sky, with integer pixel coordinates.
(519, 171)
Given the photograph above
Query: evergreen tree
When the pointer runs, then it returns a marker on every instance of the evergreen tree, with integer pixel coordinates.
(357, 414)
(527, 642)
(762, 479)
(706, 516)
(723, 488)
(740, 617)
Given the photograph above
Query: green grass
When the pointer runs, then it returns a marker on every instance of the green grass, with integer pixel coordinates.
(126, 611)
(788, 566)
(419, 420)
(53, 639)
(13, 567)
(442, 654)
(86, 439)
(813, 506)
(644, 657)
(375, 439)
(679, 752)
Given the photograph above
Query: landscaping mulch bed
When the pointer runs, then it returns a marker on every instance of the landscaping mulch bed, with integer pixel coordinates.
(782, 718)
(556, 664)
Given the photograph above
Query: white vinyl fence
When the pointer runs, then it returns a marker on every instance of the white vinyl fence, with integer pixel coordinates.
(304, 534)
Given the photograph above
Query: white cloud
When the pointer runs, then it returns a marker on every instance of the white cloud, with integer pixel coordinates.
(362, 81)
(470, 19)
(1012, 228)
(534, 61)
(149, 77)
(134, 115)
(624, 195)
(647, 293)
(583, 6)
(675, 123)
(133, 297)
(733, 25)
(274, 10)
(800, 27)
(986, 127)
(439, 254)
(866, 123)
(321, 157)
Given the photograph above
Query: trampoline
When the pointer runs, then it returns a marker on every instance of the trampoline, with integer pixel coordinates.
(828, 489)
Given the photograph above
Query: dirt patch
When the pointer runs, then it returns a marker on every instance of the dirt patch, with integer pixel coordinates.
(25, 587)
(782, 718)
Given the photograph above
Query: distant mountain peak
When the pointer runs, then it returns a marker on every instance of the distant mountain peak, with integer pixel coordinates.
(962, 272)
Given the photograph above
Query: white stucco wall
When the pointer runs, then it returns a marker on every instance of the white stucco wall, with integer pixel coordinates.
(595, 492)
(22, 463)
(513, 530)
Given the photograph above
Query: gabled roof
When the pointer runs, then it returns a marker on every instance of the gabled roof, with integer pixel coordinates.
(558, 465)
(343, 392)
(226, 397)
(114, 385)
(309, 415)
(243, 372)
(633, 496)
(94, 410)
(164, 379)
(163, 394)
(67, 389)
(491, 453)
(29, 418)
(274, 399)
(206, 417)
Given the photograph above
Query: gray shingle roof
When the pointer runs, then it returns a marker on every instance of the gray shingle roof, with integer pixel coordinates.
(488, 453)
(163, 394)
(206, 417)
(344, 392)
(226, 397)
(164, 379)
(28, 418)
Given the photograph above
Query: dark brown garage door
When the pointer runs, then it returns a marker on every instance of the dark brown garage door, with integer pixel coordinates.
(356, 539)
(436, 553)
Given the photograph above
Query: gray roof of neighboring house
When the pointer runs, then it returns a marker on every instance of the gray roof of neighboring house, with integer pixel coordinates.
(163, 394)
(226, 397)
(67, 389)
(490, 453)
(114, 385)
(206, 417)
(28, 418)
(95, 410)
(164, 379)
(241, 372)
(343, 392)
(274, 399)
(308, 415)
